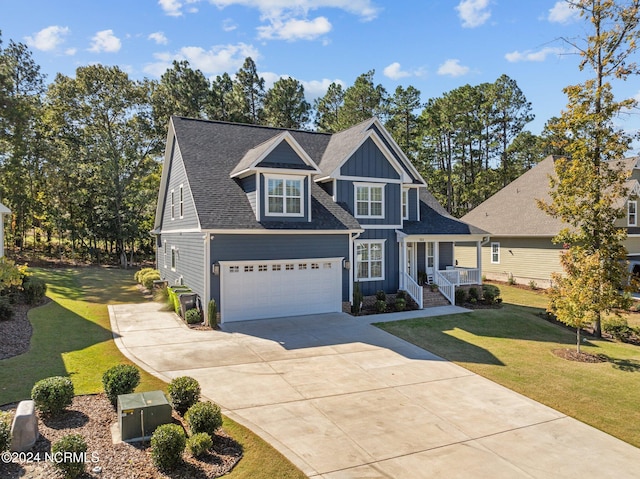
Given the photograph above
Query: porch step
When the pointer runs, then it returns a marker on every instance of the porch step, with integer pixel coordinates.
(431, 299)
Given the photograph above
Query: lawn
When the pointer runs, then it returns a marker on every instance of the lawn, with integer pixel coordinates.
(513, 346)
(72, 337)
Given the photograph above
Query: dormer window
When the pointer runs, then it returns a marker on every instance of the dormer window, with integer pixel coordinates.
(632, 213)
(284, 195)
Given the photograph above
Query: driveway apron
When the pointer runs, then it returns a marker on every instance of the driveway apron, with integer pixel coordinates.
(342, 399)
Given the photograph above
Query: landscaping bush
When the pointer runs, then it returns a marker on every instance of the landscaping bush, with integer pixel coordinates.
(5, 431)
(204, 417)
(199, 444)
(184, 392)
(490, 293)
(618, 328)
(402, 294)
(149, 278)
(212, 312)
(34, 289)
(473, 294)
(401, 304)
(69, 452)
(52, 395)
(381, 306)
(11, 276)
(192, 316)
(167, 444)
(533, 285)
(381, 295)
(6, 310)
(356, 306)
(461, 296)
(139, 274)
(120, 379)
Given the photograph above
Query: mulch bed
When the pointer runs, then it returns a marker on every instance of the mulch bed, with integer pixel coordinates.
(582, 357)
(15, 333)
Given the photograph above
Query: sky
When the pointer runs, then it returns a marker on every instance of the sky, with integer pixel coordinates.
(434, 45)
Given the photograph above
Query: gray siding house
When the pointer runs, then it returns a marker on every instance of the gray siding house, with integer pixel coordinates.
(272, 222)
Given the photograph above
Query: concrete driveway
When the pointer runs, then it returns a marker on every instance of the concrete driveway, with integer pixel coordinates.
(343, 399)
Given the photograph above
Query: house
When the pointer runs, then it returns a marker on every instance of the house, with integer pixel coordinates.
(272, 222)
(521, 246)
(4, 211)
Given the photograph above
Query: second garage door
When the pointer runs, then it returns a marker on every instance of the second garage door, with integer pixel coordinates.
(267, 289)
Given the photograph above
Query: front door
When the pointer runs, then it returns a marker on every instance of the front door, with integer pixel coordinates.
(411, 261)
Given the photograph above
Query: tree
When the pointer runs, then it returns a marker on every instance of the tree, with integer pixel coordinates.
(248, 94)
(221, 98)
(328, 109)
(285, 105)
(404, 123)
(589, 188)
(362, 101)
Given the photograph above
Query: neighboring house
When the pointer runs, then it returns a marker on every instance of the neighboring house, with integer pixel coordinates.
(4, 211)
(521, 245)
(273, 222)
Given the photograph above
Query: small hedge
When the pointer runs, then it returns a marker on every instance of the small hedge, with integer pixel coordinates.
(199, 444)
(204, 417)
(5, 431)
(184, 392)
(167, 444)
(149, 278)
(212, 313)
(6, 310)
(52, 395)
(137, 276)
(71, 464)
(490, 293)
(193, 316)
(120, 379)
(34, 289)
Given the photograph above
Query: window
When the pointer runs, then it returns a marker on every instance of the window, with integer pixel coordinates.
(369, 201)
(165, 253)
(181, 202)
(173, 205)
(288, 267)
(262, 267)
(431, 257)
(405, 204)
(370, 260)
(248, 269)
(284, 196)
(632, 213)
(174, 258)
(495, 253)
(234, 269)
(302, 266)
(276, 267)
(315, 266)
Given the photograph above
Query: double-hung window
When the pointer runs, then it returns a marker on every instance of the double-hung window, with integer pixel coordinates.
(632, 213)
(495, 253)
(181, 203)
(369, 260)
(369, 200)
(173, 204)
(284, 196)
(405, 204)
(174, 259)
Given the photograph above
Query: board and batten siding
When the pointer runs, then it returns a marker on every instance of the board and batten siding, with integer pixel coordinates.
(256, 247)
(189, 261)
(392, 201)
(391, 259)
(178, 176)
(283, 154)
(369, 161)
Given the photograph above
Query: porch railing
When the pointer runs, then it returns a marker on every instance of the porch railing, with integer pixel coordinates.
(410, 286)
(446, 287)
(461, 276)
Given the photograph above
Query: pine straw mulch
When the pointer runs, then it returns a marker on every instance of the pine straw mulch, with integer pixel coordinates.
(92, 416)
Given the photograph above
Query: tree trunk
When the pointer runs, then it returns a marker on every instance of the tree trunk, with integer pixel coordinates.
(578, 339)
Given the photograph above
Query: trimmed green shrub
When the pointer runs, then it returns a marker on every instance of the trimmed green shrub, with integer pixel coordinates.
(167, 444)
(192, 316)
(381, 306)
(69, 452)
(402, 294)
(490, 293)
(5, 431)
(618, 328)
(184, 392)
(511, 280)
(212, 313)
(381, 295)
(461, 296)
(11, 276)
(401, 304)
(356, 306)
(6, 310)
(120, 379)
(533, 285)
(204, 417)
(199, 444)
(473, 294)
(149, 278)
(139, 274)
(34, 289)
(52, 395)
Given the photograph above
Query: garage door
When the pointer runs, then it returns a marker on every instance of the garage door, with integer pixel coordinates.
(267, 289)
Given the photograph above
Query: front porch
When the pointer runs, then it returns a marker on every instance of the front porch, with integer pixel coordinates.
(431, 260)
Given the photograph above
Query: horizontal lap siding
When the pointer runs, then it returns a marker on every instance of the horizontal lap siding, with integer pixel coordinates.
(177, 177)
(190, 260)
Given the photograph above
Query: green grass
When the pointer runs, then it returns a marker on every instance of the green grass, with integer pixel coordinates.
(72, 337)
(513, 347)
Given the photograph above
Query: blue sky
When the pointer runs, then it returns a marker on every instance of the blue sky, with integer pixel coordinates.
(434, 45)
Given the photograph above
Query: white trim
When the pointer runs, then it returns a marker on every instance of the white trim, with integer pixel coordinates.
(174, 258)
(369, 201)
(181, 200)
(172, 204)
(284, 179)
(258, 197)
(367, 179)
(635, 213)
(256, 231)
(164, 253)
(331, 259)
(382, 259)
(404, 192)
(493, 261)
(380, 227)
(207, 276)
(179, 230)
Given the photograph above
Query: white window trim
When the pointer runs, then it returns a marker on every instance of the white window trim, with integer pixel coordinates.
(404, 201)
(181, 202)
(164, 247)
(635, 213)
(174, 258)
(284, 178)
(356, 243)
(355, 199)
(497, 245)
(173, 205)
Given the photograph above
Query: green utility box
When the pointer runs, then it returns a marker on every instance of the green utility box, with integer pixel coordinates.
(139, 414)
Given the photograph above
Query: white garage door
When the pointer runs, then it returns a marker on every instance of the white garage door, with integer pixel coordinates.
(267, 289)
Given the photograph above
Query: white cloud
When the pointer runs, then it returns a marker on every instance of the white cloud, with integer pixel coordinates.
(48, 38)
(229, 25)
(105, 41)
(395, 72)
(533, 56)
(173, 8)
(215, 61)
(452, 68)
(70, 51)
(473, 13)
(563, 12)
(277, 8)
(158, 37)
(317, 88)
(293, 29)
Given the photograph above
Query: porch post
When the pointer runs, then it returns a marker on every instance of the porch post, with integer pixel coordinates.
(403, 262)
(479, 260)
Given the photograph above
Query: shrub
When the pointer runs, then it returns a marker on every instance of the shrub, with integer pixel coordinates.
(6, 310)
(184, 392)
(11, 276)
(433, 287)
(618, 328)
(71, 465)
(473, 294)
(402, 294)
(149, 278)
(120, 379)
(401, 304)
(204, 417)
(5, 431)
(490, 293)
(212, 313)
(533, 285)
(34, 289)
(139, 274)
(381, 295)
(52, 395)
(381, 306)
(356, 306)
(167, 444)
(192, 316)
(511, 280)
(461, 296)
(199, 443)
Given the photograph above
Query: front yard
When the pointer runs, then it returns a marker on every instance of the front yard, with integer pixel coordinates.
(513, 347)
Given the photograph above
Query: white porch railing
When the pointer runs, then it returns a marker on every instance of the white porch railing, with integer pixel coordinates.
(410, 286)
(461, 276)
(446, 287)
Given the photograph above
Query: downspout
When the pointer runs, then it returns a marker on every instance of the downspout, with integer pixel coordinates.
(352, 237)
